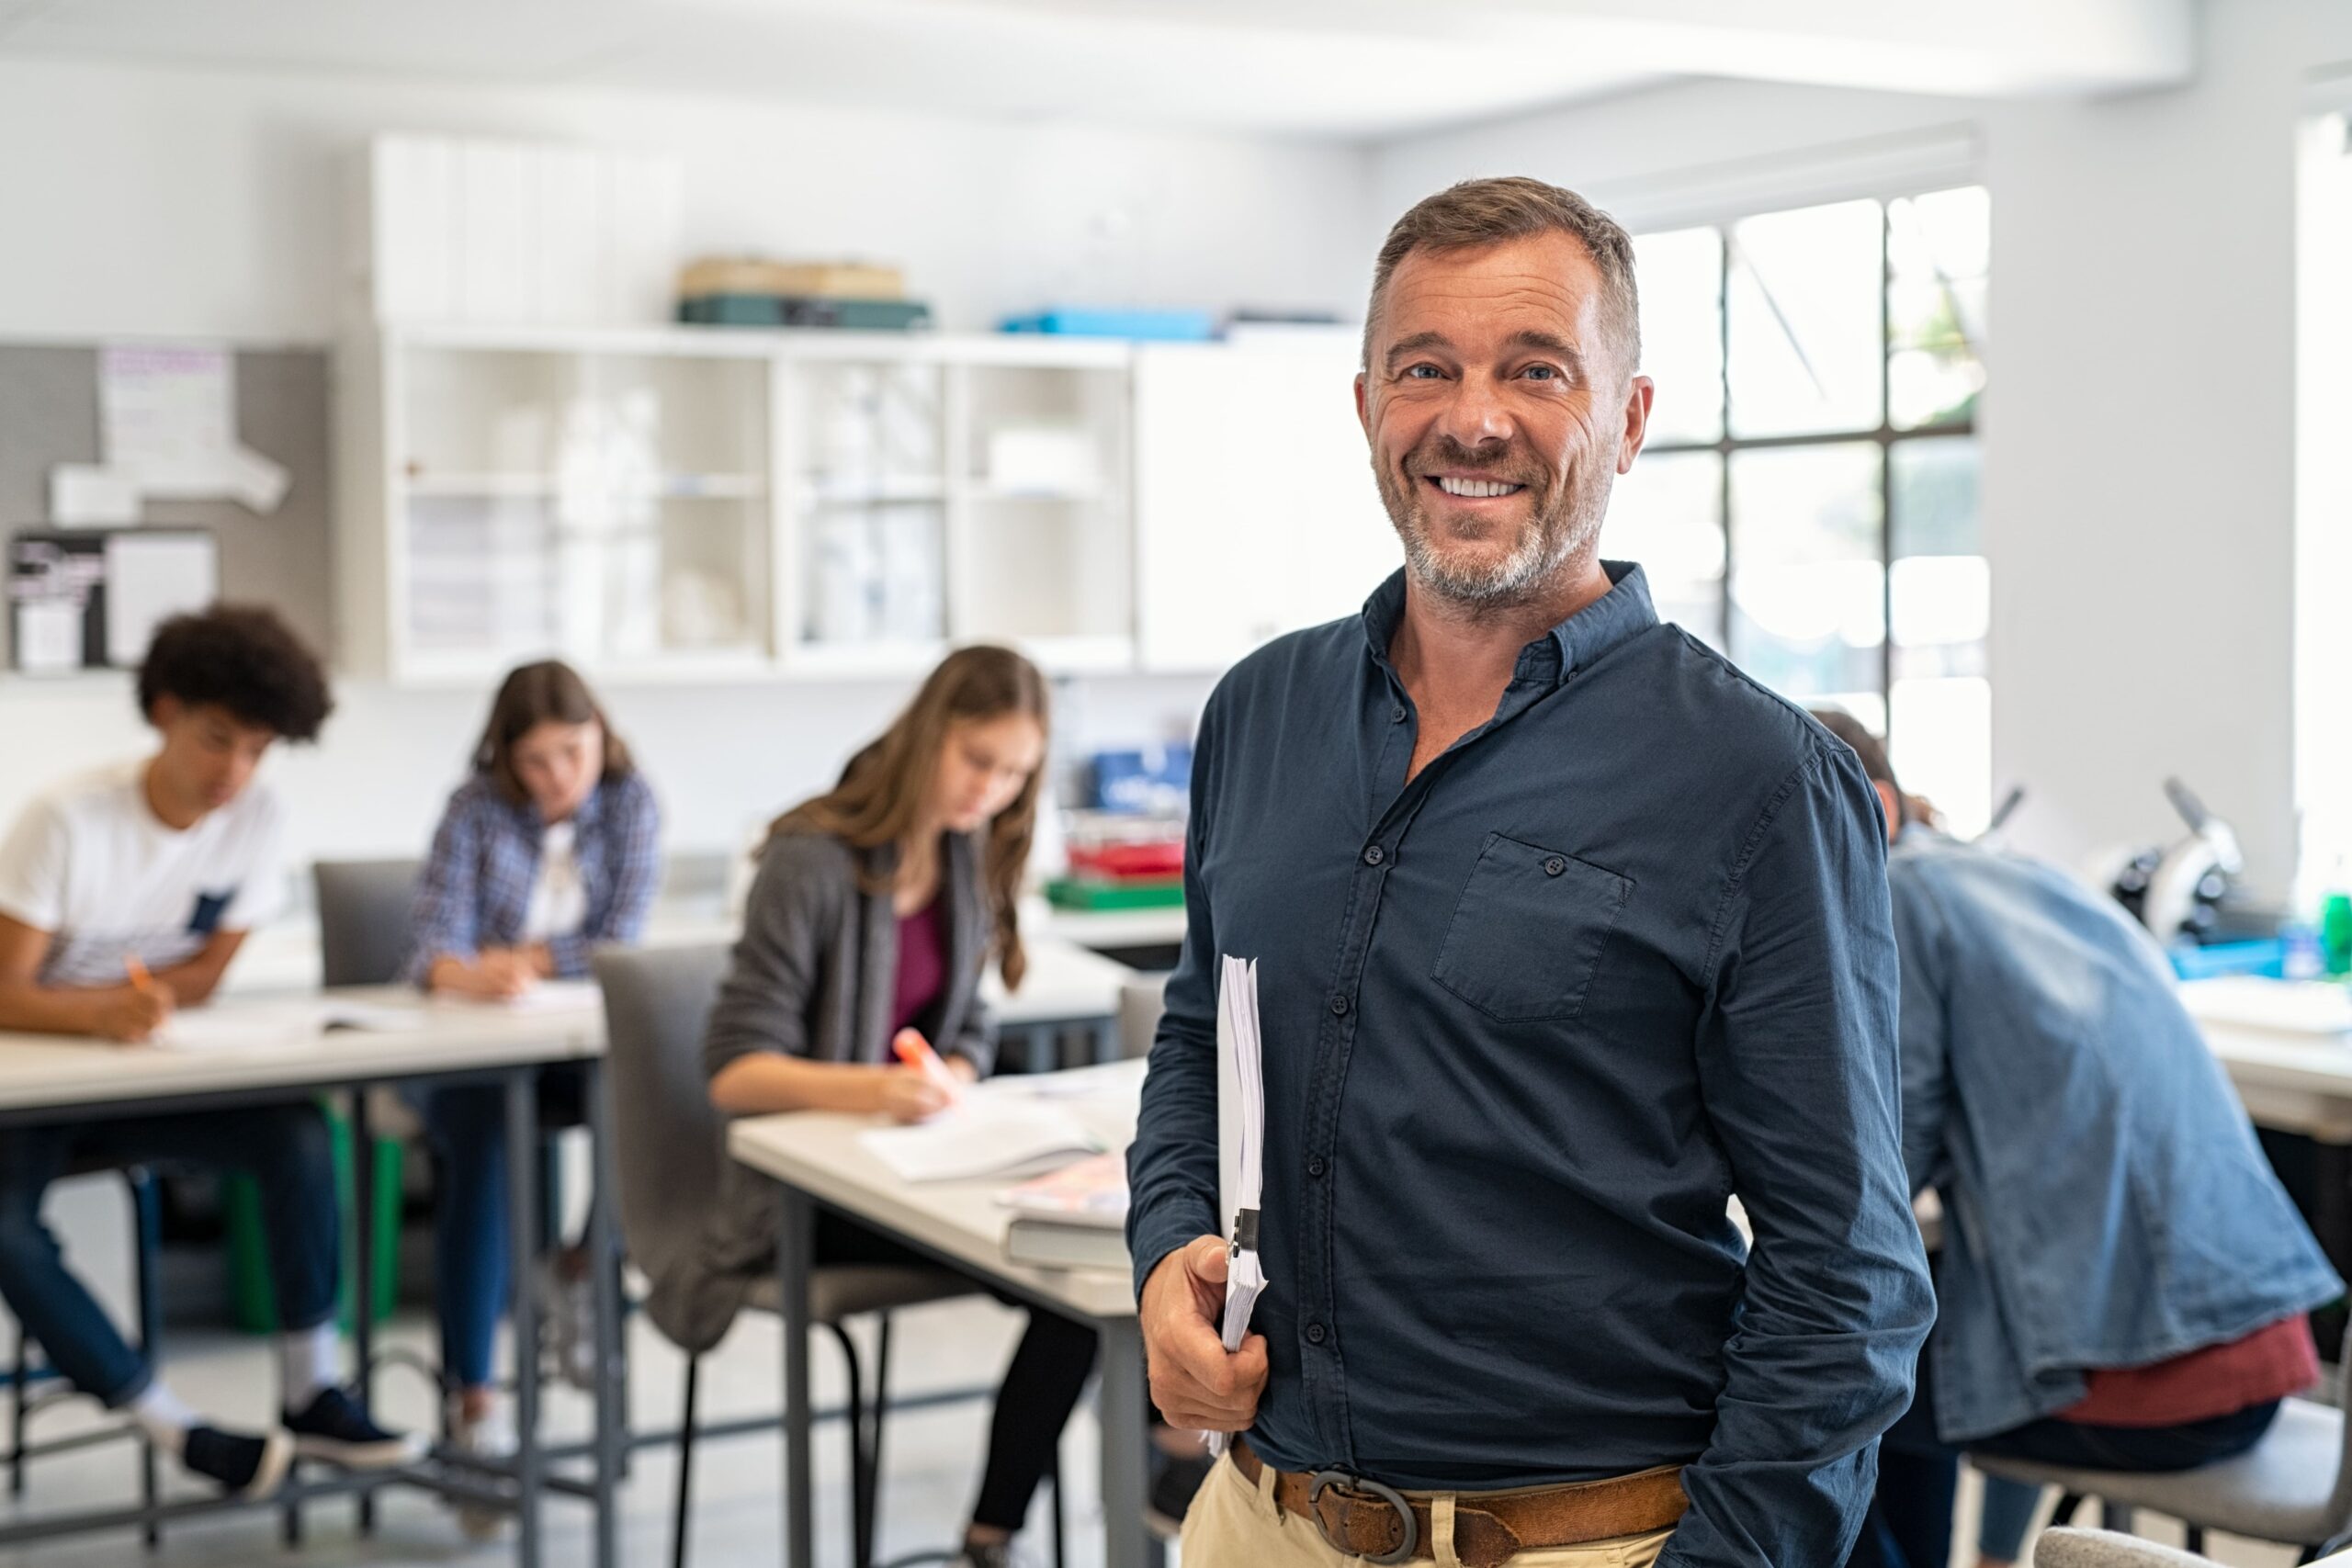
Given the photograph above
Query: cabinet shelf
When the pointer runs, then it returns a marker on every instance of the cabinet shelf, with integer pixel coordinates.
(538, 487)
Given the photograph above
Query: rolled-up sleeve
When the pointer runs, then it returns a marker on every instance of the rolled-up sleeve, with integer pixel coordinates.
(1172, 1164)
(1798, 1069)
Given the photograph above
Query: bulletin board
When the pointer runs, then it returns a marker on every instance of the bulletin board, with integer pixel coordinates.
(49, 415)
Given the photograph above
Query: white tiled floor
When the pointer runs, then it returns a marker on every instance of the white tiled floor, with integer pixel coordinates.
(932, 1464)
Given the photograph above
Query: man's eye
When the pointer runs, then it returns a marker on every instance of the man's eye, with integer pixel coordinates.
(1543, 372)
(1421, 372)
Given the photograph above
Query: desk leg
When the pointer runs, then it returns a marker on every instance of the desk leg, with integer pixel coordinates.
(1126, 1442)
(794, 1262)
(603, 1260)
(523, 1236)
(363, 1274)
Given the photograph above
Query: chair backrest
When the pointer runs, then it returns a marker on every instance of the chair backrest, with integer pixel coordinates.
(1141, 1001)
(2065, 1548)
(669, 1143)
(364, 909)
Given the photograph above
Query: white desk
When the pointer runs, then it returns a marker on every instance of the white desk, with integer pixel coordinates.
(816, 1158)
(1108, 928)
(2290, 1061)
(48, 1078)
(55, 1071)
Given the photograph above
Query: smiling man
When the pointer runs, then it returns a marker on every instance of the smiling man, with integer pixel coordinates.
(1566, 932)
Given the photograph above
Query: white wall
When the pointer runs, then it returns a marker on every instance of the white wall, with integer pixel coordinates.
(2139, 424)
(209, 204)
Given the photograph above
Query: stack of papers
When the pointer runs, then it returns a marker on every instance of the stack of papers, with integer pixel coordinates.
(1241, 1147)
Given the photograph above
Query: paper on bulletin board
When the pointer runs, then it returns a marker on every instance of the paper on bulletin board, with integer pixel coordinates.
(167, 417)
(149, 577)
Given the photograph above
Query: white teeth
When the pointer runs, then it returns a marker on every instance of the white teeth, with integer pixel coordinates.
(1475, 489)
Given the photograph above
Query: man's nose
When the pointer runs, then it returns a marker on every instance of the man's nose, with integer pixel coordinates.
(1476, 416)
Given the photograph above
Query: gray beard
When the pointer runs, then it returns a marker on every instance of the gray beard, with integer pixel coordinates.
(1518, 578)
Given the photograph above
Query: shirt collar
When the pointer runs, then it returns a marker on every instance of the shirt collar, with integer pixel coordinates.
(1615, 618)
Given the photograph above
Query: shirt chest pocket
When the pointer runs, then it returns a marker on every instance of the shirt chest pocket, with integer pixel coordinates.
(1528, 931)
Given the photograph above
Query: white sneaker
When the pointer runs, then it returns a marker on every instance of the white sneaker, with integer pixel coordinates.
(490, 1438)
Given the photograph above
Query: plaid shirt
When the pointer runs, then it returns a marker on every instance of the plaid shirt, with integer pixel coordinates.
(476, 889)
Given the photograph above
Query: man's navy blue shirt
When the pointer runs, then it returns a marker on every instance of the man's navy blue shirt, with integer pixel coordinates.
(1619, 955)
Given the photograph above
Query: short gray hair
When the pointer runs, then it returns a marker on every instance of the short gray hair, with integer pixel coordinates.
(1489, 211)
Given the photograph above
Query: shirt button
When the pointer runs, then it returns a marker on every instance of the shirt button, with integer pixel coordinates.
(1374, 855)
(1554, 867)
(1316, 1166)
(1339, 1007)
(1397, 715)
(1317, 1334)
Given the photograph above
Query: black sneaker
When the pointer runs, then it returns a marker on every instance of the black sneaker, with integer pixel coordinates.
(333, 1429)
(244, 1465)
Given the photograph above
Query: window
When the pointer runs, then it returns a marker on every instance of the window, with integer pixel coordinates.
(1807, 502)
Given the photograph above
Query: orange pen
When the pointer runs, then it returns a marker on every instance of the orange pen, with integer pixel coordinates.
(915, 1051)
(140, 979)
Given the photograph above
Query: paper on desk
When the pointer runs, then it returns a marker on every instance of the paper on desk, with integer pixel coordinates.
(985, 1135)
(548, 996)
(1240, 1148)
(261, 1026)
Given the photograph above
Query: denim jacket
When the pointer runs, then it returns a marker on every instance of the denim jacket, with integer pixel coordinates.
(2106, 1203)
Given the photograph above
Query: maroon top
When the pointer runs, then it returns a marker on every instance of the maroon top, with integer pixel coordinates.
(2270, 1363)
(922, 964)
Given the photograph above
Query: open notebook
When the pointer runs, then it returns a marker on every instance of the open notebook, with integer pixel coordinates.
(983, 1135)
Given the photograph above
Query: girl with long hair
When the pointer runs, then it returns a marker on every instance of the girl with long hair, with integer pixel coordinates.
(876, 906)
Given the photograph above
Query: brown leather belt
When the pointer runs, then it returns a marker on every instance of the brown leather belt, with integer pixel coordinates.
(1364, 1518)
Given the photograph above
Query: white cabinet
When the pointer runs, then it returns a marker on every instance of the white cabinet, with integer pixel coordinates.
(957, 489)
(689, 505)
(1255, 513)
(507, 497)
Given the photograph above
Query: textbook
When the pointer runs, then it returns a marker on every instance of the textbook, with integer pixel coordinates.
(1073, 1218)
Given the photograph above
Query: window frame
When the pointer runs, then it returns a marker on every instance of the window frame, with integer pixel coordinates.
(1886, 435)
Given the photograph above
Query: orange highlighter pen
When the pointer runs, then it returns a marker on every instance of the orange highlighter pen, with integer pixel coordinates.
(915, 1051)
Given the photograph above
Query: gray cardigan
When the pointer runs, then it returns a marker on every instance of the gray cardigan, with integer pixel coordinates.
(813, 975)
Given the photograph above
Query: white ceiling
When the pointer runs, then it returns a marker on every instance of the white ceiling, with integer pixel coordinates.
(1120, 61)
(1358, 69)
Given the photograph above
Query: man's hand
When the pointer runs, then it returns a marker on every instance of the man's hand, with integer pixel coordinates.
(1195, 1383)
(129, 1014)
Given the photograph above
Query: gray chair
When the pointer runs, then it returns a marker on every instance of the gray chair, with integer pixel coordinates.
(669, 1147)
(363, 919)
(1141, 1001)
(2294, 1487)
(2104, 1549)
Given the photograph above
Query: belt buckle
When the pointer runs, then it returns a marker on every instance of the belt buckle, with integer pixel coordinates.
(1322, 1479)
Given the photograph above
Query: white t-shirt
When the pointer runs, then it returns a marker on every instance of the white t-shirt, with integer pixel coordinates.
(89, 862)
(558, 898)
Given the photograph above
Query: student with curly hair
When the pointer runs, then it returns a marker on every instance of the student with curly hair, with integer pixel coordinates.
(124, 893)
